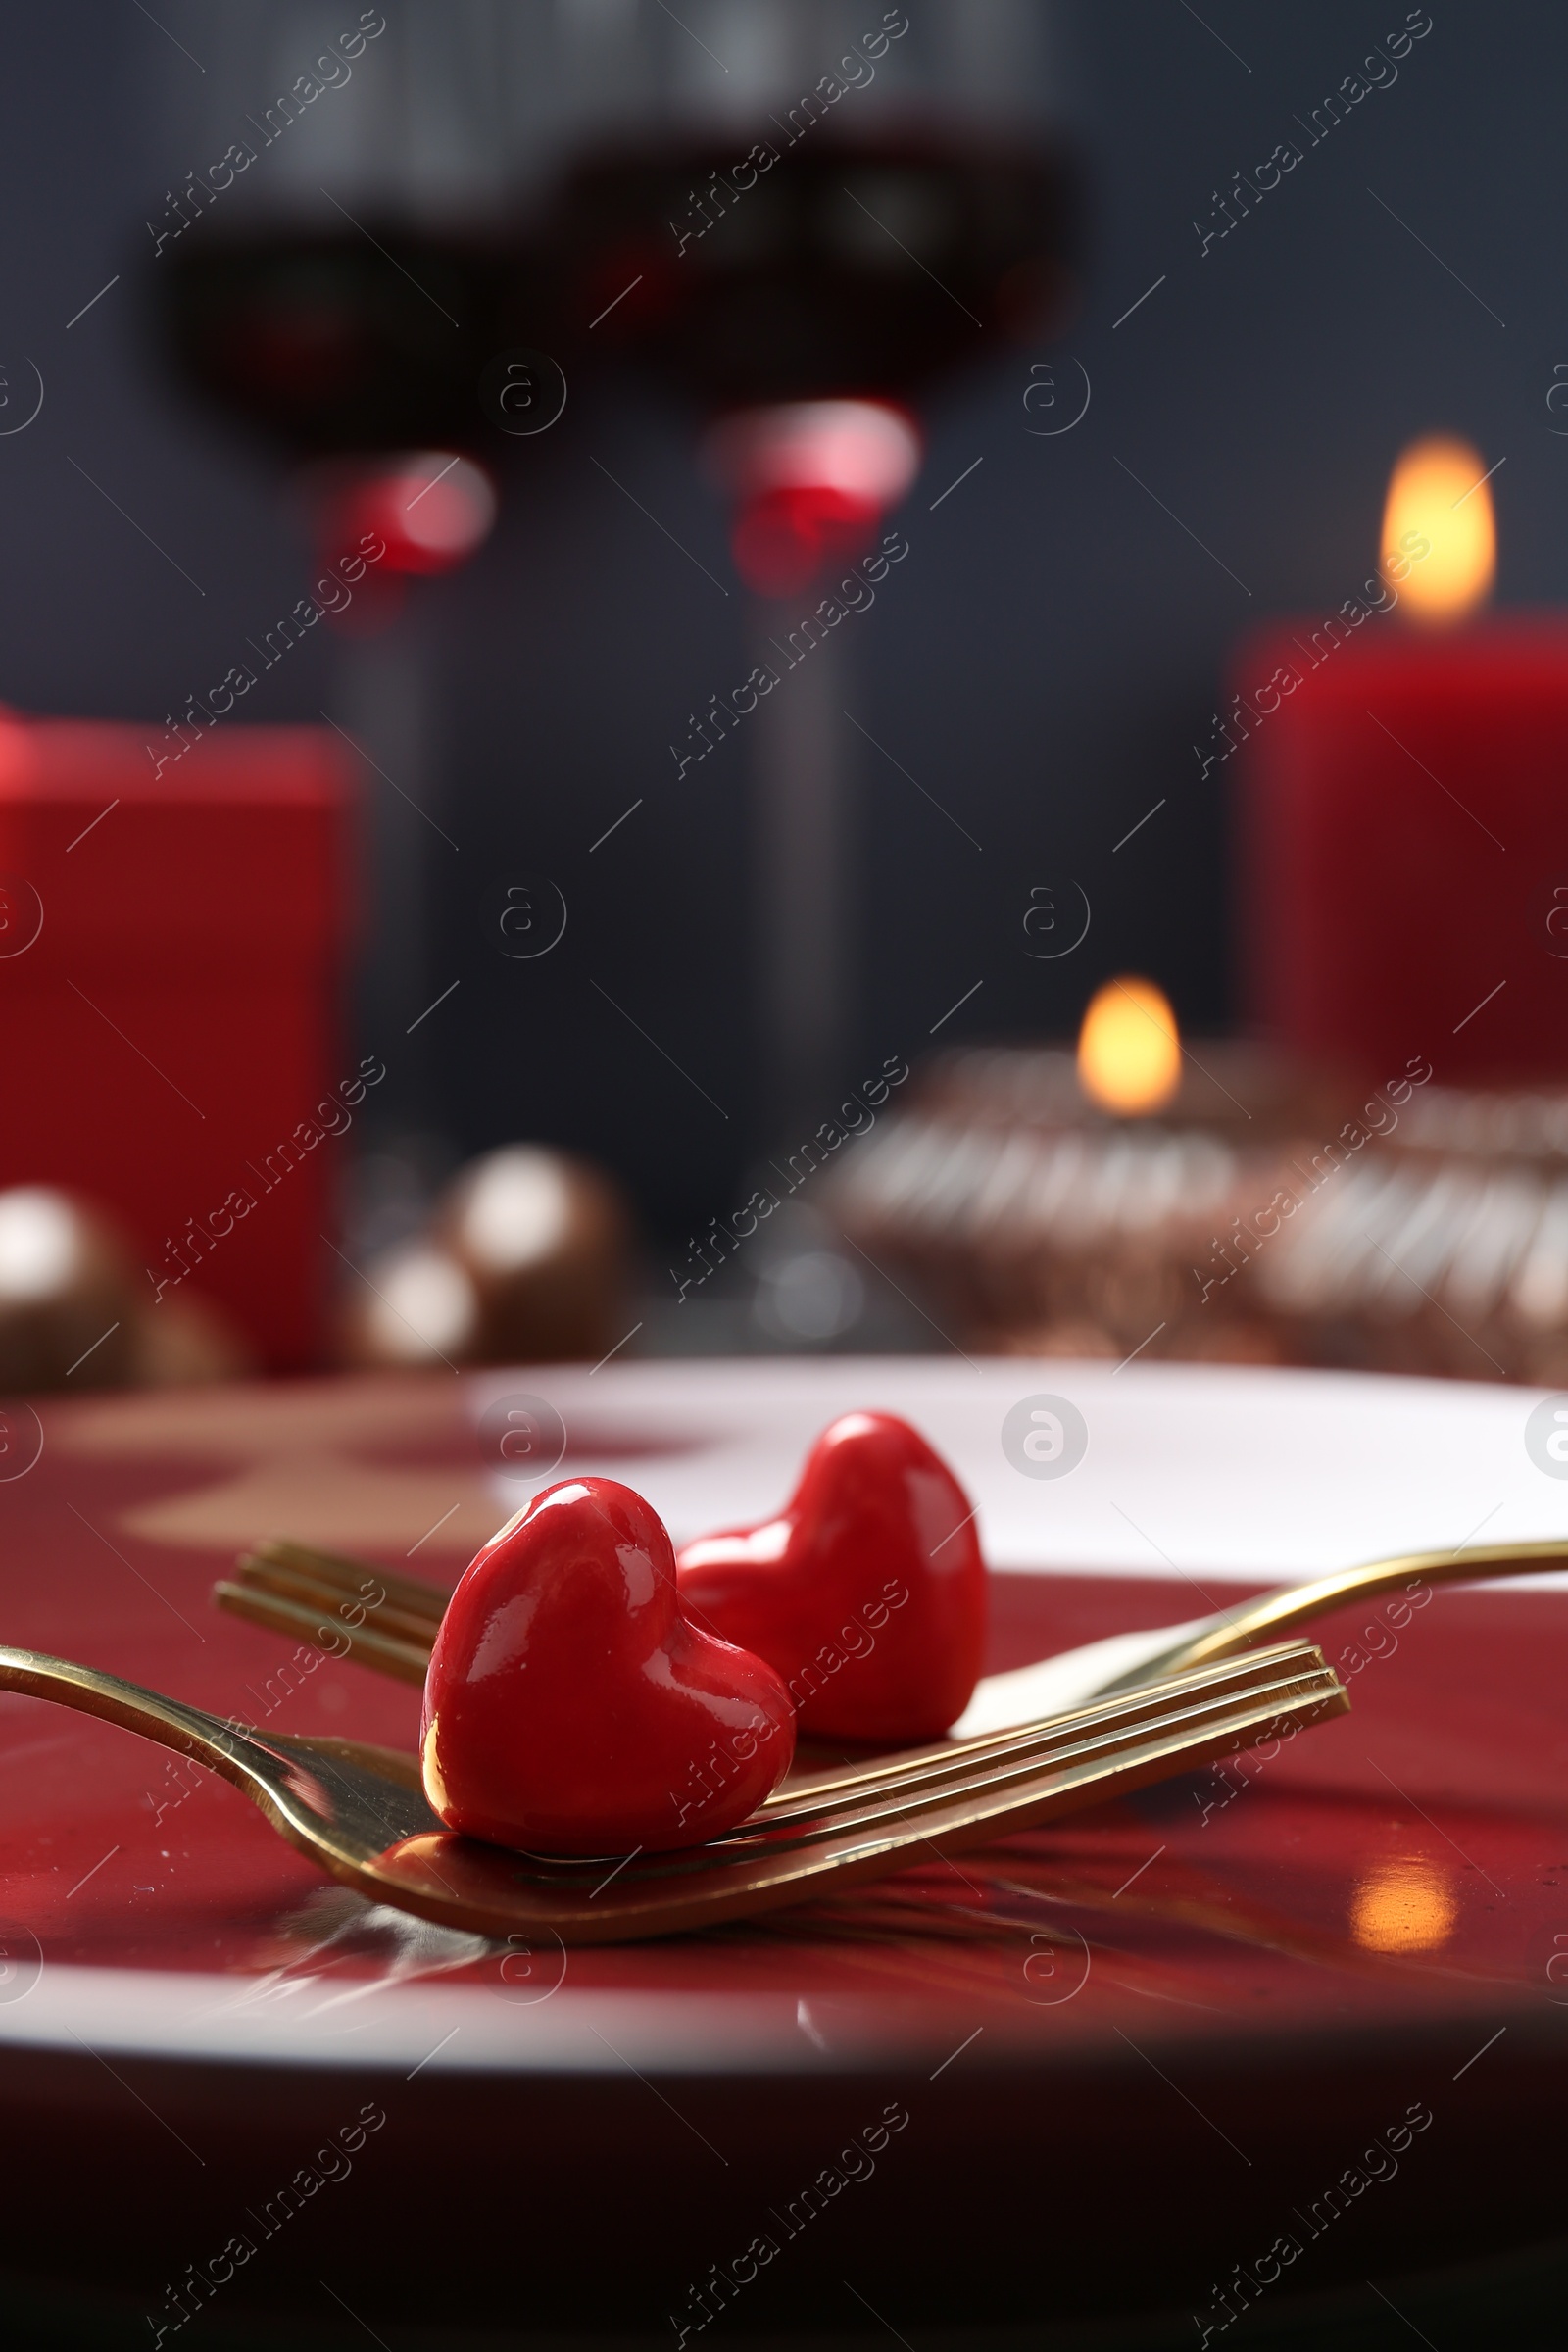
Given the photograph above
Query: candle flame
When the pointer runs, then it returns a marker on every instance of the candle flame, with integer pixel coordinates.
(1129, 1051)
(1439, 540)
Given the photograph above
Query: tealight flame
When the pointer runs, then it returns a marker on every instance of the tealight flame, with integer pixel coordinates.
(1439, 541)
(1129, 1051)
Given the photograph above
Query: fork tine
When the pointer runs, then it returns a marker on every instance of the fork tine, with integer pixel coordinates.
(331, 1568)
(977, 1808)
(1287, 1672)
(332, 1606)
(1263, 1712)
(1290, 1683)
(407, 1661)
(945, 1755)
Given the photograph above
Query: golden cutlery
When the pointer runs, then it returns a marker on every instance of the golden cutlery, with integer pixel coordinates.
(359, 1812)
(296, 1590)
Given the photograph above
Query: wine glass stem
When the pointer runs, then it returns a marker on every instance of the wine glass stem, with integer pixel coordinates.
(801, 750)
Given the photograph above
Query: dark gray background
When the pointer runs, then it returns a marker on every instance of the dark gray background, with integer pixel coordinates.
(1041, 662)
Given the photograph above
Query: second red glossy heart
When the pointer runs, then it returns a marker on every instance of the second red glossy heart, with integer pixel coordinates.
(867, 1594)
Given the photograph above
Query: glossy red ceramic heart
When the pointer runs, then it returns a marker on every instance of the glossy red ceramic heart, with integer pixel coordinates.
(867, 1593)
(572, 1708)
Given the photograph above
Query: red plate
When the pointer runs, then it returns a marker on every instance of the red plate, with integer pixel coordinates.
(1309, 2017)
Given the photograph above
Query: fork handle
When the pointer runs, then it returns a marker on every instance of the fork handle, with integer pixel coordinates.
(1290, 1606)
(225, 1748)
(190, 1731)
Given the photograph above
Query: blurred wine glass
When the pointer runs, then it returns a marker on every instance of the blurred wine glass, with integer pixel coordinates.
(819, 223)
(803, 215)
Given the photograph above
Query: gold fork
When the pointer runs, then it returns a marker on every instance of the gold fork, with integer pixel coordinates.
(317, 1596)
(360, 1814)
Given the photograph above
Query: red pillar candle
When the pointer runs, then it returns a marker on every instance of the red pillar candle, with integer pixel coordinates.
(1404, 847)
(170, 958)
(1402, 805)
